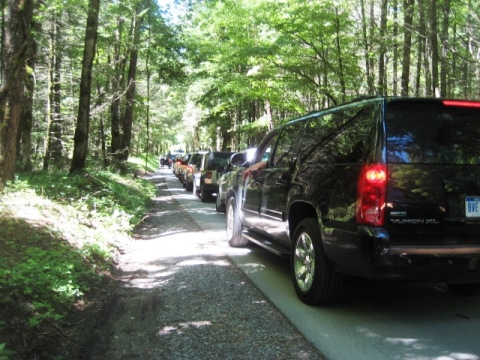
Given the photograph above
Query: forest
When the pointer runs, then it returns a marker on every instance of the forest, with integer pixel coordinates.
(94, 90)
(91, 82)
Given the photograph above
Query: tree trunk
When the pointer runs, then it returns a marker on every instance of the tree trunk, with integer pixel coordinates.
(130, 95)
(432, 36)
(408, 6)
(54, 146)
(26, 123)
(395, 48)
(116, 86)
(366, 49)
(420, 46)
(444, 56)
(381, 55)
(17, 49)
(80, 149)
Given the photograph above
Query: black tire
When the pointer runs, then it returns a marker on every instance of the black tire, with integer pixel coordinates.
(314, 280)
(219, 206)
(464, 289)
(188, 186)
(234, 225)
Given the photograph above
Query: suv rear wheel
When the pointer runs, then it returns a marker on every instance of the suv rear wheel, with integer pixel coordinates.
(234, 227)
(315, 282)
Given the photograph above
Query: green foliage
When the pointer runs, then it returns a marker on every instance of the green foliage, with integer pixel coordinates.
(4, 352)
(59, 239)
(100, 195)
(49, 276)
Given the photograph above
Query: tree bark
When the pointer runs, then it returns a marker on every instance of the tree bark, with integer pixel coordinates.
(432, 36)
(444, 55)
(54, 147)
(395, 48)
(26, 122)
(381, 55)
(17, 47)
(130, 95)
(420, 46)
(116, 86)
(408, 6)
(80, 149)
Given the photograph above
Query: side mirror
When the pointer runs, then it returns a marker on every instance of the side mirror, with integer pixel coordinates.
(238, 159)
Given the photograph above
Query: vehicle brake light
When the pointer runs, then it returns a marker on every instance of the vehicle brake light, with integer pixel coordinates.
(461, 103)
(208, 174)
(371, 195)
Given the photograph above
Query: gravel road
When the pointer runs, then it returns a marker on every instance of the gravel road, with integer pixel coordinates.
(180, 300)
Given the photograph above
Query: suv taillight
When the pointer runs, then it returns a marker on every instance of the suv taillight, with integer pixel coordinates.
(461, 103)
(371, 194)
(208, 175)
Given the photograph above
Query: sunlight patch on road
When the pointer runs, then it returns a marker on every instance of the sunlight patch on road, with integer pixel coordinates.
(458, 356)
(168, 330)
(194, 262)
(146, 259)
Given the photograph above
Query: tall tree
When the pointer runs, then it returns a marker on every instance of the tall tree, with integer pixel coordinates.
(444, 48)
(433, 45)
(53, 151)
(366, 48)
(17, 47)
(131, 80)
(408, 6)
(382, 84)
(80, 150)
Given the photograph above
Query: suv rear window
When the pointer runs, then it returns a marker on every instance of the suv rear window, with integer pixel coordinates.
(431, 133)
(219, 159)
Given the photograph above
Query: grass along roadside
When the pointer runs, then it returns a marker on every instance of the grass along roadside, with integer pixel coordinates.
(59, 238)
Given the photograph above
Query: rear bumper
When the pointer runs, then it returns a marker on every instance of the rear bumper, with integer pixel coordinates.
(211, 188)
(372, 255)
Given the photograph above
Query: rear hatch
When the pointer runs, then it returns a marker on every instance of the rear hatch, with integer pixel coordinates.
(433, 156)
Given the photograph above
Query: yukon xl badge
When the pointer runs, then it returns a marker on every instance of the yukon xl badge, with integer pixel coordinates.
(414, 221)
(401, 219)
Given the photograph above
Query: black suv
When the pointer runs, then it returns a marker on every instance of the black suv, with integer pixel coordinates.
(384, 188)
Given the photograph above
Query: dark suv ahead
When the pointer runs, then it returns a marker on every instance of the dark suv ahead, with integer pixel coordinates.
(385, 188)
(206, 180)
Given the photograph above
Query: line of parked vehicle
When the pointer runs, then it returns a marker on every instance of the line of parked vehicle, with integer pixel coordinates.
(382, 188)
(200, 172)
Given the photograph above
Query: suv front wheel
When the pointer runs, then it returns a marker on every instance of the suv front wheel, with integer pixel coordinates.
(234, 226)
(315, 282)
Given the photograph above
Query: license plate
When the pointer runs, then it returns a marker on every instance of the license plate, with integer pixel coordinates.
(472, 206)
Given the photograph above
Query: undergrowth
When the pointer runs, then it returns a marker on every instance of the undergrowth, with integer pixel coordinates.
(60, 235)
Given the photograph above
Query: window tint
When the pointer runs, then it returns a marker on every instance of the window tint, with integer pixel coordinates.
(339, 137)
(431, 133)
(286, 145)
(219, 159)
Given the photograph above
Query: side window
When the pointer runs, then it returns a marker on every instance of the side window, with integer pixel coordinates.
(265, 148)
(318, 132)
(342, 137)
(286, 145)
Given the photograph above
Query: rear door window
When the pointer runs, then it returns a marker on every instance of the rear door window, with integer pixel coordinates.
(431, 133)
